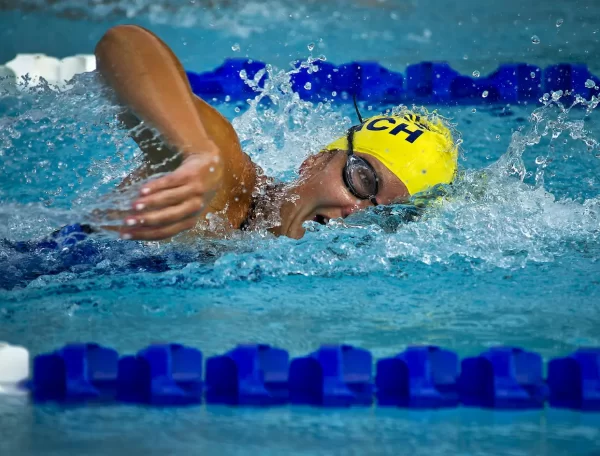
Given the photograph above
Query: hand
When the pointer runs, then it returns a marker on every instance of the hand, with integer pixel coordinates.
(173, 203)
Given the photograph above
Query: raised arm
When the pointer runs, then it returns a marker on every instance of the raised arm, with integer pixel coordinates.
(210, 171)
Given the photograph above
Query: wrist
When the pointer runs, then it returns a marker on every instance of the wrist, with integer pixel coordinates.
(204, 148)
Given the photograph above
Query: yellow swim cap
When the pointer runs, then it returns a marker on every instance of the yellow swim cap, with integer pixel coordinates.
(419, 151)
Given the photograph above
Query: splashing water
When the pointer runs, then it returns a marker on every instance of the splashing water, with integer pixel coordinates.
(63, 152)
(289, 129)
(508, 255)
(60, 152)
(492, 214)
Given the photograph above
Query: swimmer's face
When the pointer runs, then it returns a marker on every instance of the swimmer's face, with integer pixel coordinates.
(321, 194)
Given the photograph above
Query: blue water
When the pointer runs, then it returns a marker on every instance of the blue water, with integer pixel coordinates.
(510, 258)
(471, 34)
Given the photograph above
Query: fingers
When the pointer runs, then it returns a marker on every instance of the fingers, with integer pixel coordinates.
(165, 207)
(171, 180)
(196, 169)
(164, 223)
(160, 232)
(171, 203)
(164, 198)
(166, 216)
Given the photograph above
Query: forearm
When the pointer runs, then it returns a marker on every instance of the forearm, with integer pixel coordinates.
(150, 81)
(214, 174)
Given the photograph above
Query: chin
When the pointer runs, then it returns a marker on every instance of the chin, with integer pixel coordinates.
(296, 232)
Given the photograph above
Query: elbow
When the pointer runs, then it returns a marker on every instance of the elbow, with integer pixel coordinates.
(115, 39)
(110, 39)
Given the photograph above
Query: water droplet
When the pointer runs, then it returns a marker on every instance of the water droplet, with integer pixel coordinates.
(237, 109)
(473, 110)
(539, 160)
(535, 39)
(235, 47)
(485, 94)
(465, 57)
(556, 95)
(476, 74)
(532, 74)
(308, 86)
(590, 84)
(559, 22)
(311, 46)
(498, 137)
(334, 93)
(227, 98)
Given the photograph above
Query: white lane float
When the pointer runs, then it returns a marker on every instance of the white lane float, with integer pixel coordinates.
(14, 369)
(57, 72)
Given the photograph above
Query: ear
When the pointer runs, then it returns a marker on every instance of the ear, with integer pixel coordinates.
(307, 164)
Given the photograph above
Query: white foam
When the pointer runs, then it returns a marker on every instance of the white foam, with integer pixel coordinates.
(14, 368)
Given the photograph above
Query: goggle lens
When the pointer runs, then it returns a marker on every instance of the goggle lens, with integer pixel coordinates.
(360, 178)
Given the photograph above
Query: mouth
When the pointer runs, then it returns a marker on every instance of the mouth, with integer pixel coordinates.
(321, 219)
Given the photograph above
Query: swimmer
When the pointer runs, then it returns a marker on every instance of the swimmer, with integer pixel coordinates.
(384, 160)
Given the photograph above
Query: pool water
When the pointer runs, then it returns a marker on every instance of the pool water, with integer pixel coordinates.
(510, 258)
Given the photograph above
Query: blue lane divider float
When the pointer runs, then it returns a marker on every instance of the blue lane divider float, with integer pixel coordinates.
(419, 377)
(503, 378)
(165, 374)
(333, 376)
(248, 375)
(574, 381)
(425, 82)
(75, 373)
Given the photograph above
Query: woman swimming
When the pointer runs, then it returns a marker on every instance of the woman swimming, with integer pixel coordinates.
(384, 160)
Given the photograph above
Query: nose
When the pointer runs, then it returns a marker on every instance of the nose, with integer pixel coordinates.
(358, 205)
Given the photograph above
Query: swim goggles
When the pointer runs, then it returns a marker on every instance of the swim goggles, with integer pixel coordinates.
(359, 175)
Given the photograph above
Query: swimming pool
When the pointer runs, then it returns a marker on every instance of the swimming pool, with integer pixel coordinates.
(504, 262)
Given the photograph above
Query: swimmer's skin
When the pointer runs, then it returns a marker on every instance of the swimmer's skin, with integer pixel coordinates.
(207, 169)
